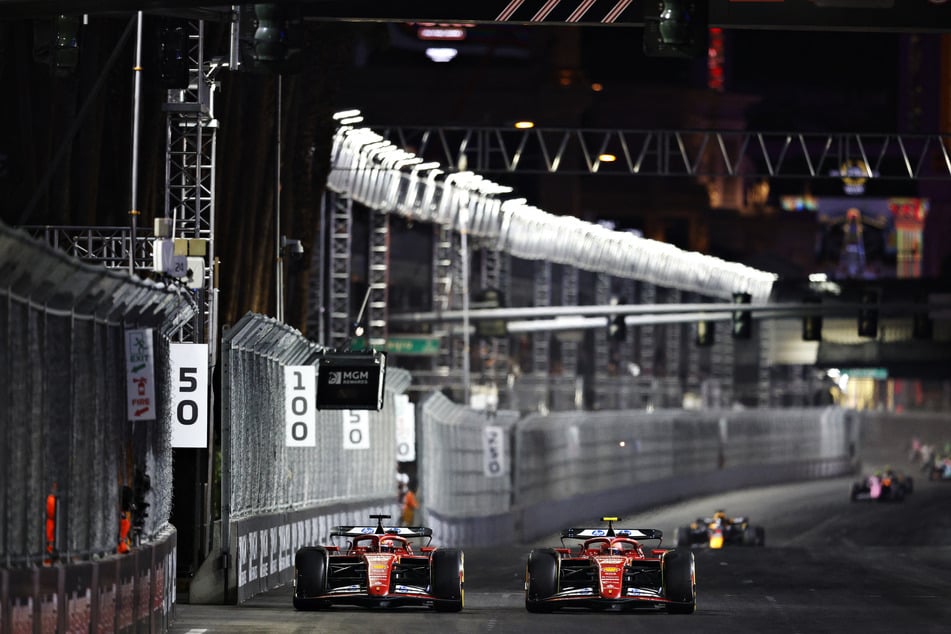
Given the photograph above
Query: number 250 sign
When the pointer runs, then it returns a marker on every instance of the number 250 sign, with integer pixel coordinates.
(189, 365)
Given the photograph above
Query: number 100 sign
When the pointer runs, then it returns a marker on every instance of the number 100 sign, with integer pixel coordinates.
(300, 406)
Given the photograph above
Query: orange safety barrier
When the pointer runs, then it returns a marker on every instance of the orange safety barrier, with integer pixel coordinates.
(125, 524)
(51, 525)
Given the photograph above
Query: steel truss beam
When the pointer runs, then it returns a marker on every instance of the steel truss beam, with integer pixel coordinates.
(711, 153)
(569, 297)
(495, 272)
(189, 193)
(602, 295)
(442, 290)
(541, 291)
(341, 243)
(108, 246)
(190, 143)
(378, 277)
(810, 15)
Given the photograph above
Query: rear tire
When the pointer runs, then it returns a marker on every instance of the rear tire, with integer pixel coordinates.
(677, 569)
(682, 538)
(448, 579)
(310, 578)
(749, 536)
(760, 536)
(541, 579)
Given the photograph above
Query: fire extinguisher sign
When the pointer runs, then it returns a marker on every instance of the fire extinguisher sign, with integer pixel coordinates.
(140, 374)
(189, 394)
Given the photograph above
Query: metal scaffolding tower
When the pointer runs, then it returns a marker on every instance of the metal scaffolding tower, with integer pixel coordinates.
(569, 297)
(625, 348)
(602, 348)
(191, 130)
(190, 143)
(341, 239)
(442, 292)
(672, 334)
(378, 278)
(647, 333)
(540, 340)
(495, 271)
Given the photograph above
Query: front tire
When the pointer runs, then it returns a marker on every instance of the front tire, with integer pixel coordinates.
(310, 578)
(448, 580)
(679, 581)
(541, 579)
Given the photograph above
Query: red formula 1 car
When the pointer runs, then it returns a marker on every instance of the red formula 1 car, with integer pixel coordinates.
(379, 567)
(610, 568)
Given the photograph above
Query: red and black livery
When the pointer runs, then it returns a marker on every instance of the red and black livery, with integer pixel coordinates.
(379, 567)
(610, 568)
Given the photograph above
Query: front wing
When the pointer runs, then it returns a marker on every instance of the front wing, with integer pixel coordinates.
(399, 596)
(348, 584)
(579, 588)
(632, 599)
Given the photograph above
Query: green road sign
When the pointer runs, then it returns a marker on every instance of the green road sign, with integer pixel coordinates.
(411, 345)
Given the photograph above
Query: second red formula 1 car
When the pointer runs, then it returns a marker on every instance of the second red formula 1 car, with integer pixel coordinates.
(379, 567)
(610, 568)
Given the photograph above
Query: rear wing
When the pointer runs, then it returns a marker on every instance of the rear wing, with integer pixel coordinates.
(633, 533)
(402, 531)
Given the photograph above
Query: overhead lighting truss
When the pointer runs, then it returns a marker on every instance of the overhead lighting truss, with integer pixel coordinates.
(680, 152)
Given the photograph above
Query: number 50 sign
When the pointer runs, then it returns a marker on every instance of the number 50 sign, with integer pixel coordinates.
(189, 365)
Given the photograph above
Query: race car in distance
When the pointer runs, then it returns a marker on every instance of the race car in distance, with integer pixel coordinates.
(379, 567)
(720, 530)
(610, 568)
(887, 486)
(940, 469)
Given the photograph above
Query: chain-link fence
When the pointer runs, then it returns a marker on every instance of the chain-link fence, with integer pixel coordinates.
(462, 474)
(67, 446)
(267, 475)
(278, 495)
(560, 466)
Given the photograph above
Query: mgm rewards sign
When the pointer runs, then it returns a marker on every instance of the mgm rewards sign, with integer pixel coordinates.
(351, 380)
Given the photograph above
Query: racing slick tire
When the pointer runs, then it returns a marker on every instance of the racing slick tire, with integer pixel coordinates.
(679, 581)
(541, 579)
(310, 578)
(682, 537)
(754, 536)
(448, 580)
